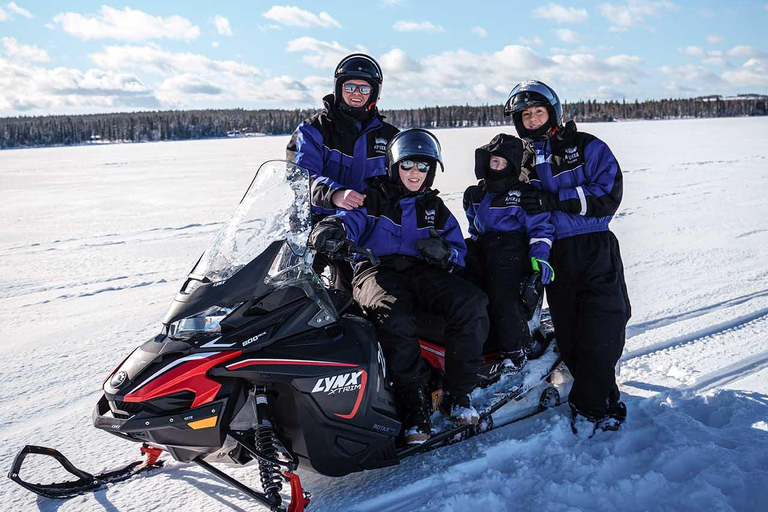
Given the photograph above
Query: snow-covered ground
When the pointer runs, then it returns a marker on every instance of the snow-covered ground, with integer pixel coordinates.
(95, 242)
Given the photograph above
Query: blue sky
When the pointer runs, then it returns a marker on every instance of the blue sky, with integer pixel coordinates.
(86, 57)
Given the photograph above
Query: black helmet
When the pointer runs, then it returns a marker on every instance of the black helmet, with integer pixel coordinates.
(414, 144)
(533, 93)
(360, 66)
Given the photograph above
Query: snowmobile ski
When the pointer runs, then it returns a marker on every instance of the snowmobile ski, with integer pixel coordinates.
(85, 482)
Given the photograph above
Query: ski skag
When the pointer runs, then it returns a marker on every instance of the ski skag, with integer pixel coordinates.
(86, 482)
(509, 389)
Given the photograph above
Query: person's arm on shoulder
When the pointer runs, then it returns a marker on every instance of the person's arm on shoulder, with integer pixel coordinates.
(306, 149)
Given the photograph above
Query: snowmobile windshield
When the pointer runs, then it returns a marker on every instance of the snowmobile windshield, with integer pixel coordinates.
(275, 208)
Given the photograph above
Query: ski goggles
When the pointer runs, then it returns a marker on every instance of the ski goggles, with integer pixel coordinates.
(407, 165)
(362, 89)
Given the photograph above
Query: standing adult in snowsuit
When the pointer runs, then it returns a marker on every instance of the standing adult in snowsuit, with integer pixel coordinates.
(506, 243)
(579, 181)
(343, 145)
(419, 243)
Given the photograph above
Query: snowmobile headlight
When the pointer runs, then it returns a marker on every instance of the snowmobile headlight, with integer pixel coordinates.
(204, 322)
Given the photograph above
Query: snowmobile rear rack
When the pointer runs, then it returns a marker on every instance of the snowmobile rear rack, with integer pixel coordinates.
(85, 482)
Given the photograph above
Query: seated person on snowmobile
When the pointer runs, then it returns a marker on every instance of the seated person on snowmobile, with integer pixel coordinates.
(419, 242)
(578, 180)
(506, 244)
(343, 145)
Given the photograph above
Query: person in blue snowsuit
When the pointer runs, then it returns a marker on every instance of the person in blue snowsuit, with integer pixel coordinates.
(578, 180)
(506, 244)
(342, 146)
(419, 242)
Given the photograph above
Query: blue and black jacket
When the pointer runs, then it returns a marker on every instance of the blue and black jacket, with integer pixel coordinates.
(391, 221)
(491, 213)
(339, 152)
(583, 172)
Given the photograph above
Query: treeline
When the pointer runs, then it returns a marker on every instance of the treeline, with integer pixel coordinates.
(16, 132)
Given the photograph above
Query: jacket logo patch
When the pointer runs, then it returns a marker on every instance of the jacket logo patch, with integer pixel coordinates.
(571, 155)
(512, 198)
(429, 216)
(380, 145)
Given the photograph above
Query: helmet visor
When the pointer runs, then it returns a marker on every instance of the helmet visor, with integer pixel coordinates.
(529, 94)
(414, 144)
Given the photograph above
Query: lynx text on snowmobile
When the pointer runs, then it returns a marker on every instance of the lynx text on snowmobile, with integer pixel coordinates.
(258, 363)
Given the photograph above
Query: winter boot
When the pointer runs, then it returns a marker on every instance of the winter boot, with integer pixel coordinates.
(459, 409)
(537, 345)
(617, 413)
(415, 407)
(583, 424)
(513, 361)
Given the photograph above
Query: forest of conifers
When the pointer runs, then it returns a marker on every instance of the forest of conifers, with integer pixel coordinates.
(17, 132)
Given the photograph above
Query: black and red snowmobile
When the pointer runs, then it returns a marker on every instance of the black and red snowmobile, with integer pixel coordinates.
(258, 362)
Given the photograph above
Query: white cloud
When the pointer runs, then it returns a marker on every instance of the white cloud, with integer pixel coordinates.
(215, 44)
(294, 16)
(318, 54)
(153, 59)
(694, 77)
(479, 32)
(412, 26)
(753, 73)
(561, 14)
(694, 51)
(128, 25)
(3, 14)
(633, 12)
(535, 41)
(392, 3)
(604, 93)
(715, 39)
(222, 26)
(568, 36)
(396, 61)
(24, 52)
(580, 49)
(624, 61)
(34, 89)
(18, 10)
(190, 84)
(745, 52)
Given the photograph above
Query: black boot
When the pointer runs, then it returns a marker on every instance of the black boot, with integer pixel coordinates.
(415, 405)
(459, 409)
(513, 361)
(617, 413)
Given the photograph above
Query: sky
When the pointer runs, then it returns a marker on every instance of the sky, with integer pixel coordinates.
(79, 57)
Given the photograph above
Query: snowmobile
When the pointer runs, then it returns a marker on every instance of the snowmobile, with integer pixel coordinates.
(258, 362)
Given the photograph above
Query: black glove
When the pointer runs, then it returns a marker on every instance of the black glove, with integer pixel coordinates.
(330, 229)
(435, 249)
(539, 201)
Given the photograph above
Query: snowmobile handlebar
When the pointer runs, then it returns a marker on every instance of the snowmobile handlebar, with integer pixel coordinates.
(346, 250)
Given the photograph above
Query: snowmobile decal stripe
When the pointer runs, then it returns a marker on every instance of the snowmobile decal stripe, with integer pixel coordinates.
(190, 376)
(363, 381)
(301, 362)
(173, 364)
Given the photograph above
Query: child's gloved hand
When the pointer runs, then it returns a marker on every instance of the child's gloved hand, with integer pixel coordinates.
(543, 266)
(330, 229)
(435, 249)
(539, 201)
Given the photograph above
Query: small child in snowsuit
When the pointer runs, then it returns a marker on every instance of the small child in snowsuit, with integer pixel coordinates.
(419, 242)
(506, 243)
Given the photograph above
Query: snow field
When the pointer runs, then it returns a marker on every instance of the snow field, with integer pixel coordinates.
(97, 240)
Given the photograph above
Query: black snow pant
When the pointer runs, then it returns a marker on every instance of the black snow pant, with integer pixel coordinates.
(391, 295)
(590, 309)
(499, 265)
(341, 271)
